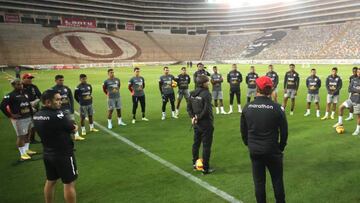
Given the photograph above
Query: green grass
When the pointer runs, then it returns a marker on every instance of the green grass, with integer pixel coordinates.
(320, 166)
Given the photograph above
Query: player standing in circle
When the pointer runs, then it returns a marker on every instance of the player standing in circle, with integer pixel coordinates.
(264, 130)
(183, 80)
(200, 111)
(291, 86)
(111, 88)
(136, 88)
(250, 81)
(166, 85)
(355, 99)
(234, 78)
(201, 71)
(34, 95)
(55, 129)
(83, 95)
(217, 93)
(333, 86)
(313, 83)
(67, 101)
(17, 107)
(275, 79)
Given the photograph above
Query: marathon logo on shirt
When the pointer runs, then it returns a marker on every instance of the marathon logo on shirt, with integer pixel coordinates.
(41, 118)
(24, 104)
(60, 115)
(260, 106)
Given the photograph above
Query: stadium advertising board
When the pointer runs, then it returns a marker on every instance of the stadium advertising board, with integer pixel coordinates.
(12, 18)
(78, 22)
(130, 26)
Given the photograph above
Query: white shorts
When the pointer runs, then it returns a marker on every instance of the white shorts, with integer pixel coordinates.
(251, 92)
(332, 99)
(348, 103)
(290, 94)
(22, 126)
(313, 98)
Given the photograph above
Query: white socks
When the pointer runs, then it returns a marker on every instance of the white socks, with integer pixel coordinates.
(76, 134)
(317, 112)
(351, 115)
(26, 146)
(222, 109)
(239, 107)
(332, 113)
(231, 108)
(340, 120)
(326, 114)
(22, 150)
(217, 110)
(119, 120)
(357, 128)
(83, 129)
(91, 126)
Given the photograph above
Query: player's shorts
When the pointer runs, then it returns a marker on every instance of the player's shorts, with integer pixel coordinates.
(251, 92)
(332, 99)
(290, 94)
(114, 103)
(86, 111)
(348, 103)
(22, 126)
(168, 97)
(356, 108)
(313, 98)
(183, 93)
(63, 167)
(217, 94)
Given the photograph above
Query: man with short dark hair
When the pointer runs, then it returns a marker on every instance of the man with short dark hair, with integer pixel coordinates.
(136, 88)
(83, 96)
(313, 83)
(34, 95)
(17, 107)
(166, 86)
(55, 129)
(111, 88)
(291, 86)
(234, 78)
(333, 86)
(201, 71)
(264, 130)
(250, 81)
(217, 93)
(275, 79)
(67, 101)
(183, 80)
(200, 111)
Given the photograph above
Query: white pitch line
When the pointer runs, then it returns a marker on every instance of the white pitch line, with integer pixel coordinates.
(171, 166)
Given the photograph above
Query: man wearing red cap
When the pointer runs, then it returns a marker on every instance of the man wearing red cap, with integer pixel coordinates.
(262, 123)
(34, 95)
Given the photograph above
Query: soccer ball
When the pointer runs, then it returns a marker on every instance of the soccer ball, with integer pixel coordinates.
(174, 83)
(340, 129)
(199, 165)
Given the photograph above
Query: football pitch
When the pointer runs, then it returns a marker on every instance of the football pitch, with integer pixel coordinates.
(319, 165)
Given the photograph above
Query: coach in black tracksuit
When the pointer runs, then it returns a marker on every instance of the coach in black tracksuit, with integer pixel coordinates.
(200, 111)
(55, 129)
(261, 123)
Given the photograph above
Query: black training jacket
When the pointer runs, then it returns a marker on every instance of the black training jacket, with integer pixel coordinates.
(264, 127)
(54, 129)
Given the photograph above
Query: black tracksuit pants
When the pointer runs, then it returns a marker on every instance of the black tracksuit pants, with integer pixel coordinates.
(136, 100)
(274, 163)
(203, 134)
(235, 93)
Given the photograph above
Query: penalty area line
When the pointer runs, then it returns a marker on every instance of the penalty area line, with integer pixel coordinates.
(171, 166)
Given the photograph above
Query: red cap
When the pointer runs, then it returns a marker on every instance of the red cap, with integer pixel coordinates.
(263, 82)
(27, 76)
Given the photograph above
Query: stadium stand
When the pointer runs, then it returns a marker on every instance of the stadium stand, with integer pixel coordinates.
(24, 44)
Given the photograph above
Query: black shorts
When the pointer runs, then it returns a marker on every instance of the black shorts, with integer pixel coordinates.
(63, 167)
(169, 97)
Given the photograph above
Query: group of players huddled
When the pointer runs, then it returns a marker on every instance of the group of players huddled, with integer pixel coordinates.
(22, 103)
